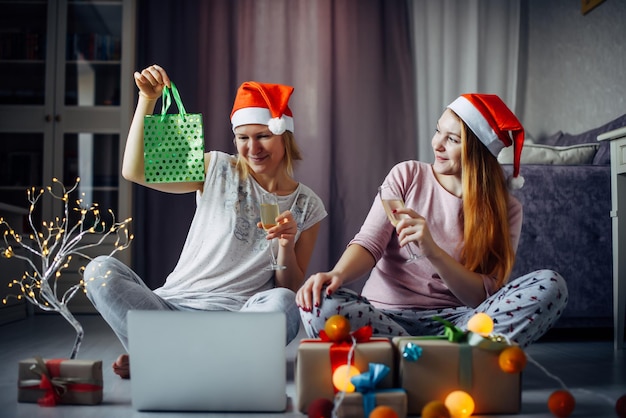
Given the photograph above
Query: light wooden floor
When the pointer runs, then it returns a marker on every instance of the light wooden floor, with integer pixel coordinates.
(589, 367)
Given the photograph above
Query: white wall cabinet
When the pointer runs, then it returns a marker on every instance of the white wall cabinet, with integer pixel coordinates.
(66, 98)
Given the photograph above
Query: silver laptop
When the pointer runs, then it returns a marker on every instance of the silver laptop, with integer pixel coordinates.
(207, 361)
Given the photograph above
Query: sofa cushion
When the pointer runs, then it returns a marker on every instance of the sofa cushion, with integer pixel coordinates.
(546, 154)
(602, 156)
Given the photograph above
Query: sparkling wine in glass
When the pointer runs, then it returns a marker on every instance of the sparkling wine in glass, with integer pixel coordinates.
(269, 213)
(391, 200)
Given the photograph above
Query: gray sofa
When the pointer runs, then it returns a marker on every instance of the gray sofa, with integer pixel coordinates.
(567, 225)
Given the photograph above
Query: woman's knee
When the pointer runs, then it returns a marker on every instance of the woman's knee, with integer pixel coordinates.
(276, 299)
(282, 293)
(551, 285)
(340, 302)
(104, 274)
(100, 265)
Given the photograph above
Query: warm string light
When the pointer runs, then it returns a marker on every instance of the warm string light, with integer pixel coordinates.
(565, 389)
(342, 394)
(480, 323)
(54, 246)
(460, 404)
(513, 360)
(342, 375)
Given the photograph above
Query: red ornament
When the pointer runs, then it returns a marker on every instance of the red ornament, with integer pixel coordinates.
(320, 408)
(620, 406)
(561, 403)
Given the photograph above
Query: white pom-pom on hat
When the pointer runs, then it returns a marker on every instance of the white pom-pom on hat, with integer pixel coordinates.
(495, 125)
(263, 104)
(515, 183)
(277, 125)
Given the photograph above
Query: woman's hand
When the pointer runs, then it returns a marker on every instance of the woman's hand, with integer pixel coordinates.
(414, 228)
(151, 81)
(310, 294)
(285, 229)
(353, 264)
(466, 285)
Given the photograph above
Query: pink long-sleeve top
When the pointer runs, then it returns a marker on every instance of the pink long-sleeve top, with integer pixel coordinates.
(394, 284)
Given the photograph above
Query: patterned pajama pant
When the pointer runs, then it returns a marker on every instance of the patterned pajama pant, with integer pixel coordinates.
(523, 310)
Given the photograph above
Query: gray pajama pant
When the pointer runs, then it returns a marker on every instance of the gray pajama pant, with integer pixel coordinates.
(522, 310)
(114, 289)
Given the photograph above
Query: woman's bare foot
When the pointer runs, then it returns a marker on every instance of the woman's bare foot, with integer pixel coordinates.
(121, 367)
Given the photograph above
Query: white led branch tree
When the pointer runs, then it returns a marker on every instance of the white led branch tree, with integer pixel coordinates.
(49, 251)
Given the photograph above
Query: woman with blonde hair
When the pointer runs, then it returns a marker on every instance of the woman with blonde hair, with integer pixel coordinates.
(224, 262)
(460, 219)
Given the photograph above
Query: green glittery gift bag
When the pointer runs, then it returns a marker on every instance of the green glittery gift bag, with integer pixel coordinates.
(173, 143)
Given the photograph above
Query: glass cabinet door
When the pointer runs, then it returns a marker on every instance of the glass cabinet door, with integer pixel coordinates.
(89, 67)
(24, 47)
(66, 97)
(94, 159)
(60, 77)
(93, 51)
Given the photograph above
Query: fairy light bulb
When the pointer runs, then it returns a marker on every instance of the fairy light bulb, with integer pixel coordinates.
(8, 253)
(460, 404)
(481, 323)
(342, 376)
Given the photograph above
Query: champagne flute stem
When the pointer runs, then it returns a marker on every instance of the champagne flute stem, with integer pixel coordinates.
(274, 261)
(412, 255)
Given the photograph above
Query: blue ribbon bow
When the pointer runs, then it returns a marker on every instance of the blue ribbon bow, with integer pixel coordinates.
(366, 382)
(412, 352)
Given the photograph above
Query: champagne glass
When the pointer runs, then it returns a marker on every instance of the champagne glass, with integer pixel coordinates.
(391, 200)
(269, 213)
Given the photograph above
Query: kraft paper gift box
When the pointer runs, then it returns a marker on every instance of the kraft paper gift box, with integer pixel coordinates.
(314, 368)
(351, 405)
(445, 366)
(368, 396)
(60, 381)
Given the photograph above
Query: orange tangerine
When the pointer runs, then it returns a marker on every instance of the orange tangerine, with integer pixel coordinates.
(337, 327)
(561, 403)
(435, 409)
(512, 359)
(383, 411)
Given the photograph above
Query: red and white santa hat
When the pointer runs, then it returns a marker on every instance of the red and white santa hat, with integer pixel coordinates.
(495, 125)
(263, 104)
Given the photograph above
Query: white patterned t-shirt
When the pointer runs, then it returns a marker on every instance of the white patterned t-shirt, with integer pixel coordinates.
(223, 259)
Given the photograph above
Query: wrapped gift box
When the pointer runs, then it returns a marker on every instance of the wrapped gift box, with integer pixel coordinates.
(445, 366)
(313, 375)
(351, 405)
(73, 381)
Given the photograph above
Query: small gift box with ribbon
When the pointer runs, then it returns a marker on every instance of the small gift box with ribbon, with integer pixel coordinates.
(60, 381)
(368, 396)
(319, 359)
(431, 367)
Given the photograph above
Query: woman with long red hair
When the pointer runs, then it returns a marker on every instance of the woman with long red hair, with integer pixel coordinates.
(464, 225)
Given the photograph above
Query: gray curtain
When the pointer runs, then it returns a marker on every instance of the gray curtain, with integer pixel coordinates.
(463, 47)
(354, 107)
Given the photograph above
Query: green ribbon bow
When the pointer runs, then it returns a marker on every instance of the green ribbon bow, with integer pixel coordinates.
(453, 333)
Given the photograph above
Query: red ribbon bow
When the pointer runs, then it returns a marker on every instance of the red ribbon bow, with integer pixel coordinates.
(52, 396)
(54, 385)
(340, 350)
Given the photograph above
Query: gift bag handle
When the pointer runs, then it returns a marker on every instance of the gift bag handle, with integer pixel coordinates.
(167, 101)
